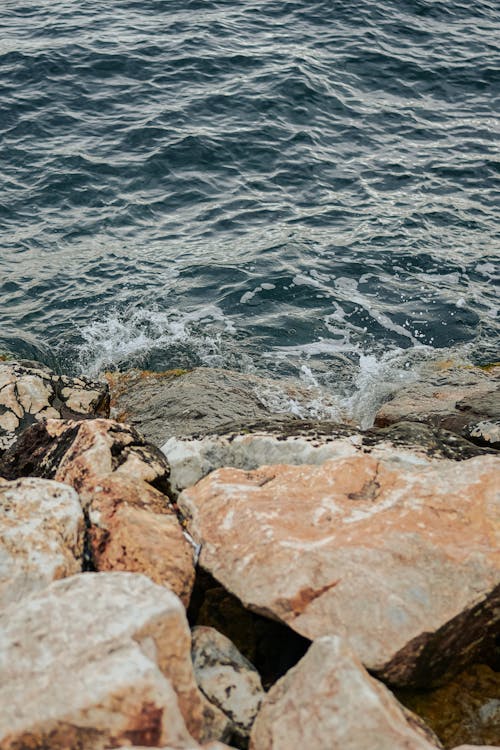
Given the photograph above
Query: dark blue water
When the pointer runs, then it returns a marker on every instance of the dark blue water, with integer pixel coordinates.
(292, 187)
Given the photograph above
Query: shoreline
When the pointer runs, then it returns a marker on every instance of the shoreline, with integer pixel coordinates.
(276, 548)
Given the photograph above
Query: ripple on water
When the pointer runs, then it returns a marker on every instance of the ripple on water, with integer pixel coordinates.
(288, 187)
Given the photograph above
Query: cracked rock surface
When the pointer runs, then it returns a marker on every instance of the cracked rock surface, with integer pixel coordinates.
(30, 392)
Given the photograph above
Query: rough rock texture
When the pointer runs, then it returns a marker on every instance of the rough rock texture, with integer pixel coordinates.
(121, 481)
(458, 399)
(30, 392)
(226, 678)
(329, 701)
(100, 660)
(41, 536)
(208, 746)
(465, 710)
(368, 547)
(301, 442)
(201, 401)
(477, 747)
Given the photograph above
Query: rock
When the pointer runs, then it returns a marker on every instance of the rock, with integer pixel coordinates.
(329, 701)
(209, 746)
(100, 660)
(467, 709)
(41, 536)
(457, 399)
(226, 678)
(31, 392)
(369, 547)
(301, 442)
(204, 400)
(477, 747)
(121, 481)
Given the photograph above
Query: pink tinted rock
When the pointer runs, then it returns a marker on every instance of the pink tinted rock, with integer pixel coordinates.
(397, 554)
(328, 701)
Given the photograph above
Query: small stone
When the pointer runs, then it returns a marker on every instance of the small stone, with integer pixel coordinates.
(226, 678)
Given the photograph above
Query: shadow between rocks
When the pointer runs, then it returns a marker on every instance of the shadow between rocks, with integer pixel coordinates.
(273, 648)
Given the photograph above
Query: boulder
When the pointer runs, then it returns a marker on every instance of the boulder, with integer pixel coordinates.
(301, 442)
(329, 701)
(369, 546)
(100, 660)
(41, 536)
(226, 678)
(30, 392)
(208, 746)
(204, 400)
(467, 709)
(121, 481)
(457, 399)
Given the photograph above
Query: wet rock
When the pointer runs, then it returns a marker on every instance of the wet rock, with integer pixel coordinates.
(226, 678)
(329, 701)
(31, 392)
(370, 547)
(466, 710)
(201, 401)
(457, 399)
(100, 660)
(41, 536)
(301, 442)
(121, 481)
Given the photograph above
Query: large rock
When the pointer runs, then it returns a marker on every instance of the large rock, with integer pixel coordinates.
(100, 660)
(41, 536)
(31, 392)
(467, 709)
(301, 442)
(226, 678)
(329, 701)
(122, 481)
(204, 400)
(397, 553)
(465, 400)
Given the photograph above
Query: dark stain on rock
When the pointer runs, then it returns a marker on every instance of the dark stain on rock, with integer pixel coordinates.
(432, 659)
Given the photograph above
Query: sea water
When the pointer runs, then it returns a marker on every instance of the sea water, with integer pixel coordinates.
(296, 189)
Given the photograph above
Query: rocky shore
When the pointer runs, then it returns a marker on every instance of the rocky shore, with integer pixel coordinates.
(183, 565)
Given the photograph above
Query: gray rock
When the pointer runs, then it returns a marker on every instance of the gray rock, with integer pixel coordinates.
(31, 392)
(457, 399)
(226, 678)
(301, 442)
(203, 401)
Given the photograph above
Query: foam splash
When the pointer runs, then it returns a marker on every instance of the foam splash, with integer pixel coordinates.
(131, 339)
(332, 380)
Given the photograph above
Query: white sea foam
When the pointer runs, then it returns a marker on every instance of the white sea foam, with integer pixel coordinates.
(129, 338)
